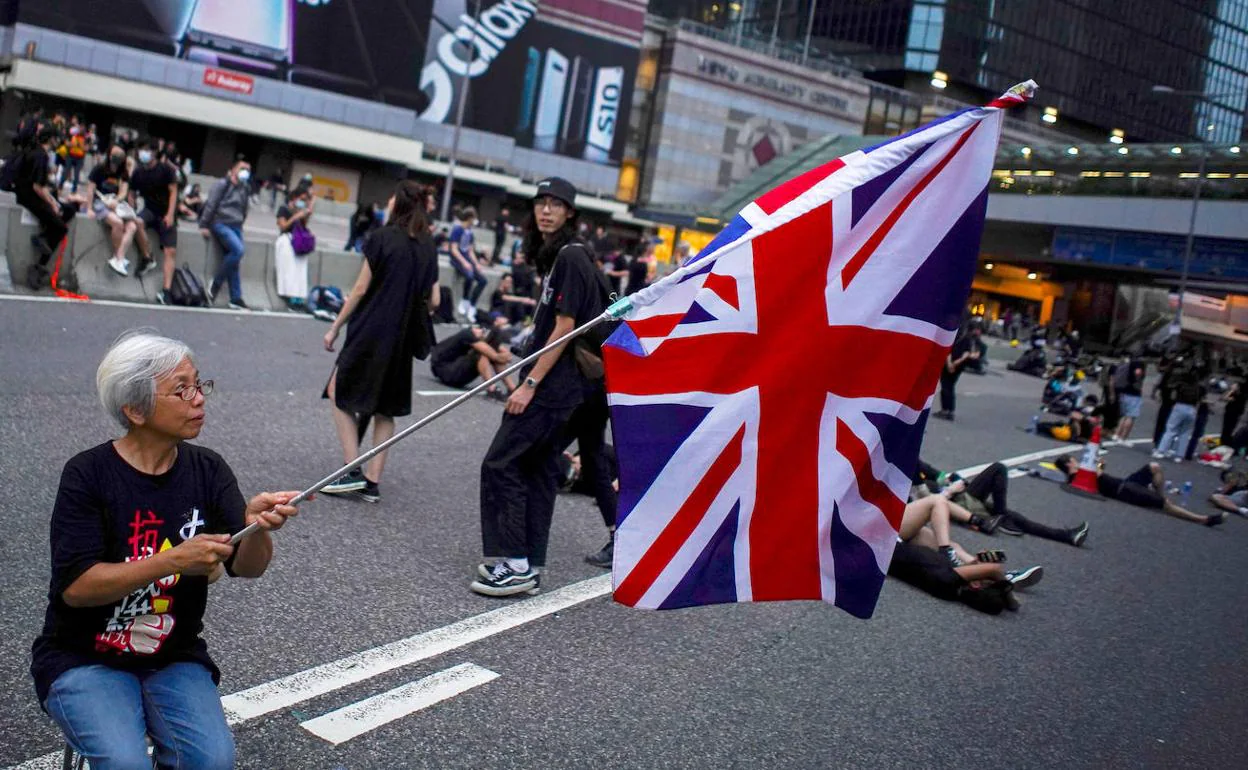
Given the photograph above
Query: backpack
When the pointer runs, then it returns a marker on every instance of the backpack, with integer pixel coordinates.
(302, 240)
(325, 302)
(186, 289)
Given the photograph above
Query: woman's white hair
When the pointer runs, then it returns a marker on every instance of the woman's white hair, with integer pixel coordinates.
(127, 376)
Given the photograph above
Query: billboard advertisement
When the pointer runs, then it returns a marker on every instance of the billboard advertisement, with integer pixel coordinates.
(555, 87)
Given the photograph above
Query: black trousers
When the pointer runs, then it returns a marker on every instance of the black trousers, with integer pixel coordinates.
(51, 224)
(992, 484)
(947, 382)
(587, 427)
(519, 480)
(1230, 418)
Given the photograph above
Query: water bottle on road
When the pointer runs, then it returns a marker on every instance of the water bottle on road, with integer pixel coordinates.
(1187, 492)
(1035, 424)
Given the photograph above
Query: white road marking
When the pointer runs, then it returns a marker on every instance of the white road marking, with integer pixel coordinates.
(296, 688)
(439, 392)
(136, 305)
(369, 714)
(1043, 454)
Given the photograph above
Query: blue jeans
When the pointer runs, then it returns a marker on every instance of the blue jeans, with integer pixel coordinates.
(1178, 429)
(231, 239)
(107, 713)
(474, 281)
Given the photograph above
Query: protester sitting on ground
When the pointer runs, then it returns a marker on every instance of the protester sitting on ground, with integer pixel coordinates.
(1078, 425)
(508, 303)
(466, 262)
(476, 351)
(982, 504)
(107, 188)
(191, 204)
(1233, 494)
(223, 216)
(140, 528)
(396, 290)
(294, 243)
(157, 183)
(1145, 489)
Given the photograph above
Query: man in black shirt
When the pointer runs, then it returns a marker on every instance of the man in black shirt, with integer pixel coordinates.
(157, 183)
(1145, 489)
(523, 280)
(35, 194)
(501, 228)
(639, 270)
(519, 472)
(964, 351)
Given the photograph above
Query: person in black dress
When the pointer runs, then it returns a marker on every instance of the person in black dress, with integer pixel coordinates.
(388, 309)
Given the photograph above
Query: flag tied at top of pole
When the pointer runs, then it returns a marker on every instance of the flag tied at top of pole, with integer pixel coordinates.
(768, 398)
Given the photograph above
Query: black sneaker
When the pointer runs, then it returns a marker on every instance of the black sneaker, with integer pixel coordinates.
(238, 304)
(1079, 534)
(986, 524)
(603, 557)
(504, 581)
(1214, 519)
(350, 482)
(1007, 528)
(162, 298)
(943, 416)
(371, 493)
(1025, 578)
(146, 266)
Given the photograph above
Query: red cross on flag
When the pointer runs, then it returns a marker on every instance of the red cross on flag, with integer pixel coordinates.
(768, 398)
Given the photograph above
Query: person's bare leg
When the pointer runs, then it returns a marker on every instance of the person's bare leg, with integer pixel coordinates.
(485, 369)
(116, 231)
(973, 572)
(171, 263)
(964, 556)
(1179, 512)
(932, 510)
(127, 236)
(383, 430)
(1224, 502)
(345, 425)
(1125, 424)
(958, 513)
(1159, 479)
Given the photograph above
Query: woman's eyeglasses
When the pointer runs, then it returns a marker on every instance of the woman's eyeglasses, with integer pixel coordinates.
(187, 392)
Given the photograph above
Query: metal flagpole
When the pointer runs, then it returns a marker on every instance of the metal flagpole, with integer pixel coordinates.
(465, 84)
(616, 310)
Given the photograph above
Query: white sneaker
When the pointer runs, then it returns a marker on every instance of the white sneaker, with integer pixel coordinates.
(462, 308)
(472, 314)
(1159, 455)
(119, 265)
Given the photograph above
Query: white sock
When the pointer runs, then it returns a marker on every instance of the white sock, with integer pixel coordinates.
(518, 565)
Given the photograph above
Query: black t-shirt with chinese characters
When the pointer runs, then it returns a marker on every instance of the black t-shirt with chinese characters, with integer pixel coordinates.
(107, 511)
(107, 179)
(573, 288)
(152, 183)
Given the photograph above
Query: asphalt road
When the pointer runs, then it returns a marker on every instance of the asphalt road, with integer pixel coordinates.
(1130, 653)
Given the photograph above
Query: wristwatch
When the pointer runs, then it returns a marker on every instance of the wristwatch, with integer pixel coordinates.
(532, 383)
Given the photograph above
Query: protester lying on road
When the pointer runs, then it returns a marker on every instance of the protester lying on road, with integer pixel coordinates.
(981, 504)
(1077, 427)
(1143, 489)
(926, 523)
(140, 527)
(1233, 495)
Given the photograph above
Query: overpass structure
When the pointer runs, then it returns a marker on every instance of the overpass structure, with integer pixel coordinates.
(1090, 234)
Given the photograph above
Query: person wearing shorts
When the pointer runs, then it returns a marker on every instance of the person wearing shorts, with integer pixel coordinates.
(1233, 496)
(1130, 390)
(157, 183)
(1143, 489)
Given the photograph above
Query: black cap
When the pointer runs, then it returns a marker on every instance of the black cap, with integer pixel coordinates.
(557, 187)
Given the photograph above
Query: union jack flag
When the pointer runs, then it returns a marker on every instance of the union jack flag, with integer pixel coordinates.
(768, 398)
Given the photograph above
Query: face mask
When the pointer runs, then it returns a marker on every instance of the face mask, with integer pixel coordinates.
(301, 204)
(244, 175)
(145, 156)
(117, 160)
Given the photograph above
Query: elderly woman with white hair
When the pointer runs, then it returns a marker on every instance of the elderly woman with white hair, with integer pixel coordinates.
(140, 527)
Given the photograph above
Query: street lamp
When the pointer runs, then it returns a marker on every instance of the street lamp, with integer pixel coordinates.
(1200, 181)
